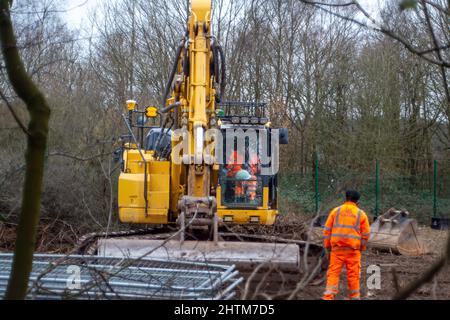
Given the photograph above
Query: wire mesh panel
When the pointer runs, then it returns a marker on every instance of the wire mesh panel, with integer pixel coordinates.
(420, 186)
(91, 277)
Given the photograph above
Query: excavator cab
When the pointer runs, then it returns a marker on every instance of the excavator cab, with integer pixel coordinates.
(248, 179)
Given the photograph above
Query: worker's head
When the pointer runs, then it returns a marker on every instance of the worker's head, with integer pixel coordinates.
(352, 196)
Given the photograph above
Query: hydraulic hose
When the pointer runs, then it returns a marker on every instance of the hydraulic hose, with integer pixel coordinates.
(174, 68)
(223, 72)
(171, 107)
(172, 73)
(164, 110)
(215, 64)
(219, 68)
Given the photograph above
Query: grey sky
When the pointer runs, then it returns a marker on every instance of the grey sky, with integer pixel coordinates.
(78, 10)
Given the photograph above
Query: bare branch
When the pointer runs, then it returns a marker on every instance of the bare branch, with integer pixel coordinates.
(78, 158)
(438, 7)
(14, 114)
(378, 28)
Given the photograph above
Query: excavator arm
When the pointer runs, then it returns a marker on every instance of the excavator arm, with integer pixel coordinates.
(195, 94)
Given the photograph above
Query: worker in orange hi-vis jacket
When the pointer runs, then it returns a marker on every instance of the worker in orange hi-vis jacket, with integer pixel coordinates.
(234, 165)
(346, 233)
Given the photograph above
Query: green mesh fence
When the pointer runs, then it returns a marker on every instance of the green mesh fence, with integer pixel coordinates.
(422, 187)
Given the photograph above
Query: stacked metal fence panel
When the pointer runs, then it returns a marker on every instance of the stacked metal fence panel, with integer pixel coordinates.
(91, 277)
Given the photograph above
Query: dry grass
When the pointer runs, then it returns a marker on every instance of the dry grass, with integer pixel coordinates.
(53, 237)
(435, 240)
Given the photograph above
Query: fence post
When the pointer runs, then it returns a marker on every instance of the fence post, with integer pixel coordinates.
(377, 188)
(435, 177)
(316, 181)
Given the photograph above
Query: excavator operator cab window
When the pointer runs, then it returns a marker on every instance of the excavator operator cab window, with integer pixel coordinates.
(242, 183)
(159, 141)
(240, 179)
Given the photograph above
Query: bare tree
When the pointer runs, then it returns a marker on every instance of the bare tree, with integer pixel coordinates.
(37, 131)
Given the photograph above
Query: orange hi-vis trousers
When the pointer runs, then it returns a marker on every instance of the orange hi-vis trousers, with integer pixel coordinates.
(352, 260)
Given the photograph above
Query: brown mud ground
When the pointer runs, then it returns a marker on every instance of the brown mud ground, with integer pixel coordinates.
(279, 285)
(59, 237)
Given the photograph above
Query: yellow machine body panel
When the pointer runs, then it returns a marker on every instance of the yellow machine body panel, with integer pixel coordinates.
(132, 206)
(262, 215)
(237, 216)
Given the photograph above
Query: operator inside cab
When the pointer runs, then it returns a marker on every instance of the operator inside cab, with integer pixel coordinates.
(254, 170)
(235, 172)
(242, 177)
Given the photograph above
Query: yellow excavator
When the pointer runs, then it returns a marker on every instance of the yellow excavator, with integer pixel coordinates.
(198, 162)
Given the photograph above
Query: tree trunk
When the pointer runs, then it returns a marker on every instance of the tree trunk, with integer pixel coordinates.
(37, 132)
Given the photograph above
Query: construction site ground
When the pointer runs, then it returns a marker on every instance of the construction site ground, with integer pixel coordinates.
(278, 285)
(275, 284)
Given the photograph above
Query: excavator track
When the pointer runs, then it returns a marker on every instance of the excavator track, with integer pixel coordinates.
(163, 243)
(87, 244)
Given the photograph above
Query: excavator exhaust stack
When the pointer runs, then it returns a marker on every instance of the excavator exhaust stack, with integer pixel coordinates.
(397, 232)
